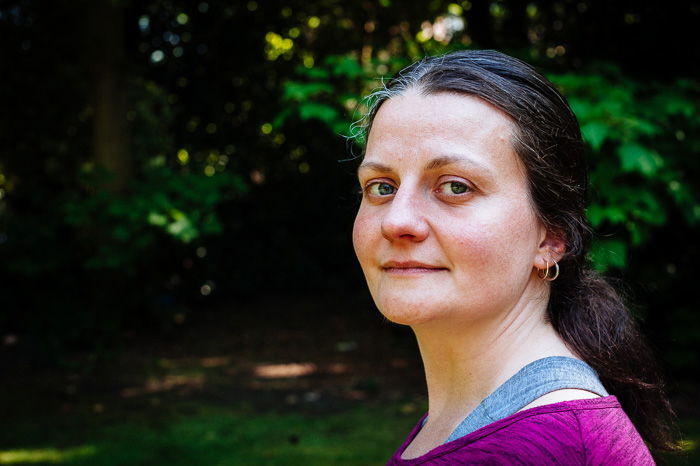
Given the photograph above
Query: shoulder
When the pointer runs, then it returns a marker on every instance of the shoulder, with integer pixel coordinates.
(591, 431)
(588, 431)
(610, 437)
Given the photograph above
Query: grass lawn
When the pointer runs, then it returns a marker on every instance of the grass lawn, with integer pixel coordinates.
(211, 436)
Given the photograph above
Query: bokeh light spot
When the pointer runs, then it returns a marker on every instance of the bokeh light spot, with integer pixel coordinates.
(157, 56)
(314, 22)
(455, 9)
(183, 156)
(257, 177)
(144, 23)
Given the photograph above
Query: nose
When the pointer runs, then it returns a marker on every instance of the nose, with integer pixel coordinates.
(404, 219)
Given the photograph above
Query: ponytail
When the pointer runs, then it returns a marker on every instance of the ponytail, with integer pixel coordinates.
(593, 320)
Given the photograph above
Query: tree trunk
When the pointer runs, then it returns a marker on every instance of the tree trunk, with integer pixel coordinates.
(104, 41)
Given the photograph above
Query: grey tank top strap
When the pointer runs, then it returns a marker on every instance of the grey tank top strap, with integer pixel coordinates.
(529, 383)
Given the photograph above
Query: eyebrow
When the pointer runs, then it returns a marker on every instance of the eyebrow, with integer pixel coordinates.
(437, 162)
(377, 167)
(442, 161)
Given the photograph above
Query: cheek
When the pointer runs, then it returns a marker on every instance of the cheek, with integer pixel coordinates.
(474, 248)
(506, 239)
(362, 236)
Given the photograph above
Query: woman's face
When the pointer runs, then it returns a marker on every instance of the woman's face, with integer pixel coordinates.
(446, 227)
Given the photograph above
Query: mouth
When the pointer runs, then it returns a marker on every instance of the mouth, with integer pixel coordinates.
(410, 268)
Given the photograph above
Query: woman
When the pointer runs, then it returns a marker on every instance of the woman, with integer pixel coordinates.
(472, 231)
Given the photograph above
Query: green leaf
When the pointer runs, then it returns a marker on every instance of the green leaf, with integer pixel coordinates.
(281, 118)
(183, 229)
(296, 91)
(675, 104)
(595, 133)
(649, 209)
(323, 112)
(348, 67)
(595, 214)
(615, 214)
(606, 254)
(634, 157)
(581, 108)
(314, 72)
(640, 126)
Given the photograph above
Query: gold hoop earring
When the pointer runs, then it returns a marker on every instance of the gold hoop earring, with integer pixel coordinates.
(556, 272)
(546, 276)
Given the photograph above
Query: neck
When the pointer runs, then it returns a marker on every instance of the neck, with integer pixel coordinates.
(465, 361)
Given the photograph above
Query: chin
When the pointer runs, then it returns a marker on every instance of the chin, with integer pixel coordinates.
(406, 311)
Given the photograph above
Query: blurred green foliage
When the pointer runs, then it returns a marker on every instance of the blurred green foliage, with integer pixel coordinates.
(642, 138)
(120, 228)
(234, 117)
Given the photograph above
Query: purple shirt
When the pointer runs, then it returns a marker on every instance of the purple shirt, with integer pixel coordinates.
(592, 432)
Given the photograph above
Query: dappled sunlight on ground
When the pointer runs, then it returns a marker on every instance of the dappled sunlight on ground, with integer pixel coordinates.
(244, 354)
(258, 356)
(277, 371)
(183, 383)
(46, 455)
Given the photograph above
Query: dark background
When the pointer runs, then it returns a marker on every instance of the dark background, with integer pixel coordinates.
(165, 164)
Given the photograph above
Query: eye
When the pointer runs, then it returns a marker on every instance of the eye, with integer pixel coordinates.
(453, 188)
(380, 189)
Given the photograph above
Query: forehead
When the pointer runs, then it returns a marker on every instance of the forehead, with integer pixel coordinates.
(416, 124)
(442, 111)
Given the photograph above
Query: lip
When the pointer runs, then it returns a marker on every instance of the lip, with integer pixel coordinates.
(410, 268)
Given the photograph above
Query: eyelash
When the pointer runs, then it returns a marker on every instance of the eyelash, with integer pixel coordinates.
(467, 187)
(368, 188)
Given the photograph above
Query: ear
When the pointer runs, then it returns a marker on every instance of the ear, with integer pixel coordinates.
(551, 248)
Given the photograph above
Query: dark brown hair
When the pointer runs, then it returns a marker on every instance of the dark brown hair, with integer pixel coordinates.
(585, 310)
